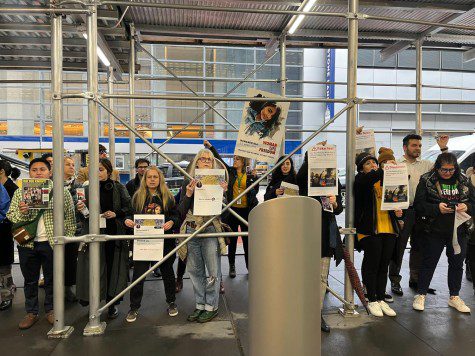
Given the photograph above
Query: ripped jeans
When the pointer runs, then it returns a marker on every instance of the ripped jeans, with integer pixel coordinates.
(204, 267)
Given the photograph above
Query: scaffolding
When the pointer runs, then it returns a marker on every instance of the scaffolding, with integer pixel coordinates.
(90, 9)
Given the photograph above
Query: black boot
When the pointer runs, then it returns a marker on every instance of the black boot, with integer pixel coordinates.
(468, 273)
(232, 271)
(325, 327)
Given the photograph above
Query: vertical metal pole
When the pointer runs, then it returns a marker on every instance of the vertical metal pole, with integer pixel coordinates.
(283, 75)
(110, 84)
(132, 102)
(419, 86)
(94, 326)
(58, 330)
(351, 118)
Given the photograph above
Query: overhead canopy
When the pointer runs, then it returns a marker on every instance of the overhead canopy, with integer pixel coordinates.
(25, 38)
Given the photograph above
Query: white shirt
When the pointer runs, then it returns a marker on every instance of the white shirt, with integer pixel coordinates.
(415, 170)
(41, 235)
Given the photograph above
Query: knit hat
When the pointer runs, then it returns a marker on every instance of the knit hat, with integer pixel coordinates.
(385, 154)
(362, 158)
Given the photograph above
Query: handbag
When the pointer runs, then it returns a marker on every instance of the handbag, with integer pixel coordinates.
(24, 231)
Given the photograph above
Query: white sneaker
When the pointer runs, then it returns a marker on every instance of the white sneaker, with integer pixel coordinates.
(458, 304)
(375, 309)
(386, 309)
(419, 301)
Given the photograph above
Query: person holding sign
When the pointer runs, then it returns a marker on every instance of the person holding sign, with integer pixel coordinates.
(284, 173)
(443, 195)
(202, 254)
(376, 229)
(115, 208)
(154, 197)
(239, 180)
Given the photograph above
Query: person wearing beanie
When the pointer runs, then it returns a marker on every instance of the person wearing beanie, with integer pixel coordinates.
(376, 229)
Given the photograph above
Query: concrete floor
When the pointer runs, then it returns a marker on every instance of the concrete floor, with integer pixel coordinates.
(439, 330)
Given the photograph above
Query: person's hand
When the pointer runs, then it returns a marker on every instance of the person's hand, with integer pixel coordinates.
(398, 213)
(359, 130)
(442, 141)
(207, 144)
(224, 185)
(444, 209)
(190, 188)
(168, 225)
(279, 191)
(109, 215)
(391, 161)
(461, 208)
(80, 205)
(322, 143)
(332, 200)
(24, 208)
(129, 223)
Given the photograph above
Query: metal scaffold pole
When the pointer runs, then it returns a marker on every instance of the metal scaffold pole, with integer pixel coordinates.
(132, 102)
(283, 75)
(110, 85)
(419, 86)
(94, 326)
(351, 118)
(59, 330)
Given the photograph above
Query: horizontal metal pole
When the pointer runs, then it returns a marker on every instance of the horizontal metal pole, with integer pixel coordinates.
(337, 296)
(414, 101)
(416, 22)
(40, 10)
(47, 81)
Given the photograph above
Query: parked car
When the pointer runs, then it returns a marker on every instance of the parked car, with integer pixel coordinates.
(463, 147)
(173, 177)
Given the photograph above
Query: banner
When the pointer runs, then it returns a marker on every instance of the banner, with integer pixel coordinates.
(208, 197)
(395, 195)
(322, 171)
(148, 249)
(35, 193)
(365, 142)
(262, 127)
(330, 88)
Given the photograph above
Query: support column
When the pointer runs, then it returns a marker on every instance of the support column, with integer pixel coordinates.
(351, 119)
(110, 85)
(58, 330)
(132, 101)
(94, 326)
(283, 76)
(419, 86)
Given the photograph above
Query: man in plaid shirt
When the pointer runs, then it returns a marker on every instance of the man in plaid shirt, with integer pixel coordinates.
(38, 253)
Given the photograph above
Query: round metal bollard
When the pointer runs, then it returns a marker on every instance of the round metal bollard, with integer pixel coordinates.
(284, 277)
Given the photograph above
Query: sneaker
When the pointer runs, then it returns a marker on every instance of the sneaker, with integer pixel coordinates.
(418, 303)
(156, 273)
(172, 309)
(28, 321)
(132, 315)
(206, 316)
(6, 304)
(232, 271)
(459, 304)
(50, 317)
(388, 298)
(194, 316)
(386, 309)
(396, 288)
(113, 312)
(375, 309)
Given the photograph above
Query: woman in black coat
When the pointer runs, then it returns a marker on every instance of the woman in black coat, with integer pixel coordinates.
(284, 173)
(239, 180)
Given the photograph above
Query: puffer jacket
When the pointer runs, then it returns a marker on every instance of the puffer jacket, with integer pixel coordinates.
(471, 178)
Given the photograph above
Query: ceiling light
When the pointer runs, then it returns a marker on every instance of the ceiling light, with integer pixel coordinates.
(100, 53)
(300, 18)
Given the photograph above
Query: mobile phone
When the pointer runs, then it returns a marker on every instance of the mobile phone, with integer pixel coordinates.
(452, 205)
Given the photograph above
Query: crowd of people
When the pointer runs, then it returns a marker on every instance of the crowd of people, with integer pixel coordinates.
(436, 191)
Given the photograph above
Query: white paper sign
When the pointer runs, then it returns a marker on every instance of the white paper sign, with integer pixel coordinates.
(102, 223)
(262, 127)
(395, 194)
(290, 189)
(365, 142)
(460, 218)
(322, 171)
(208, 197)
(148, 249)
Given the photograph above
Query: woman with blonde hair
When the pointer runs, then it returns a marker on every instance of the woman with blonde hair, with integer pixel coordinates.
(202, 254)
(153, 197)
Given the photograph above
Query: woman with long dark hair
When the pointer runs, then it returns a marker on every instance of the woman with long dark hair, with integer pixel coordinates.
(441, 193)
(284, 173)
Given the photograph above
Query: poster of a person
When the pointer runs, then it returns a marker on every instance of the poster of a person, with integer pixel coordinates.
(36, 193)
(365, 142)
(208, 195)
(289, 189)
(262, 127)
(322, 171)
(395, 187)
(148, 249)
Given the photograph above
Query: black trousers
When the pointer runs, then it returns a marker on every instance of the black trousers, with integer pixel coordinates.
(401, 243)
(378, 251)
(181, 269)
(168, 276)
(233, 224)
(432, 247)
(70, 264)
(470, 258)
(31, 261)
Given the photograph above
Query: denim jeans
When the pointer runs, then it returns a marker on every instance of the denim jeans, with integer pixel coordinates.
(204, 267)
(31, 261)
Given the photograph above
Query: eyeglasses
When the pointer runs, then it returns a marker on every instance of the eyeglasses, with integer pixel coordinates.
(205, 159)
(142, 167)
(447, 170)
(102, 152)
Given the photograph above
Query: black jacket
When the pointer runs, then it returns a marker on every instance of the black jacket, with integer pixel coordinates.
(427, 200)
(327, 217)
(275, 184)
(6, 238)
(133, 184)
(365, 205)
(251, 195)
